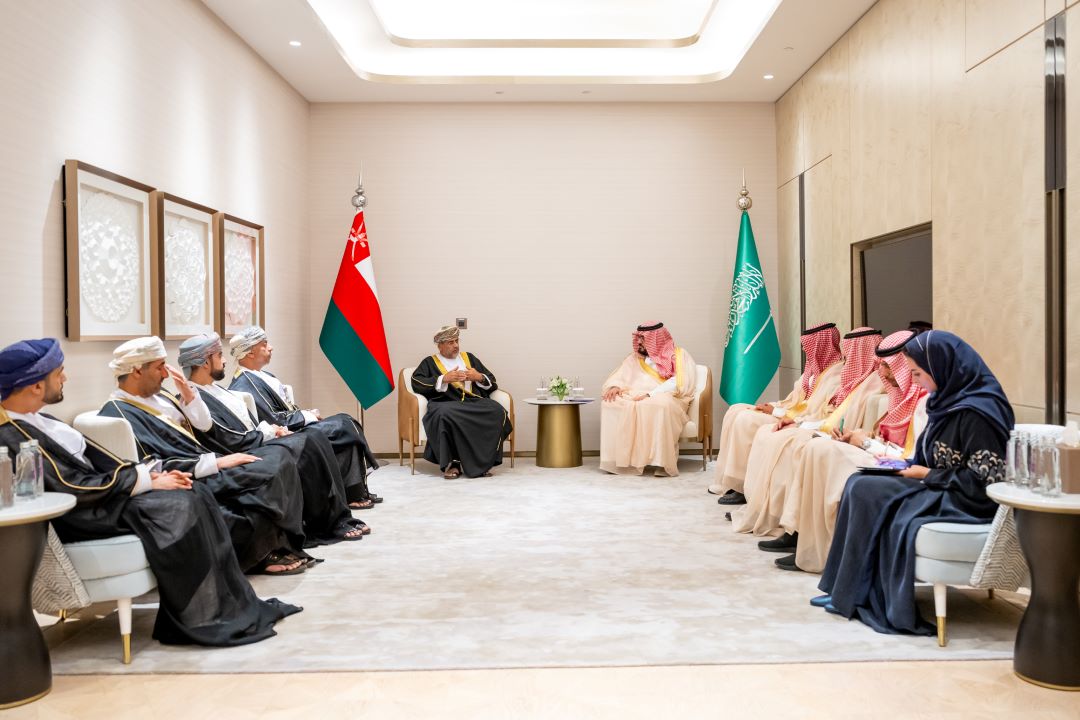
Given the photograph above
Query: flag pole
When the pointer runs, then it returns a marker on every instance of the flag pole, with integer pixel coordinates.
(359, 202)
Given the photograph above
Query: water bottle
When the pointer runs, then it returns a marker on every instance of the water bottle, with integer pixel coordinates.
(1050, 481)
(1023, 448)
(1010, 457)
(39, 482)
(26, 469)
(1037, 465)
(7, 480)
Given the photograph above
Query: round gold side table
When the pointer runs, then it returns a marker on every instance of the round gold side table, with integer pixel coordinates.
(558, 432)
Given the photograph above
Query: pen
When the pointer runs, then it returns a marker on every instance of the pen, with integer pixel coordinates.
(841, 428)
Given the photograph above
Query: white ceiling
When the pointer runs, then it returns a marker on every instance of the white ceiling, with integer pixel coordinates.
(411, 52)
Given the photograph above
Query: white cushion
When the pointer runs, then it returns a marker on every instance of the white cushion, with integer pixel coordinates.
(951, 541)
(690, 432)
(949, 572)
(121, 586)
(113, 434)
(108, 557)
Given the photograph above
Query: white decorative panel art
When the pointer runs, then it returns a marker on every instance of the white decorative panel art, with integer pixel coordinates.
(242, 277)
(188, 248)
(109, 255)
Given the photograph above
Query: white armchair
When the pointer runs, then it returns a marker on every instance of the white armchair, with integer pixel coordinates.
(113, 568)
(699, 427)
(411, 409)
(947, 553)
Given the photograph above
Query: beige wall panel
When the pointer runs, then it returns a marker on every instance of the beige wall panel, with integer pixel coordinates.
(1072, 219)
(991, 25)
(825, 99)
(890, 59)
(790, 117)
(828, 262)
(988, 209)
(1053, 7)
(137, 88)
(554, 228)
(786, 305)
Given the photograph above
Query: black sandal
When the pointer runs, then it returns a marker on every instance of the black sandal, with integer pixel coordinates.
(278, 558)
(361, 505)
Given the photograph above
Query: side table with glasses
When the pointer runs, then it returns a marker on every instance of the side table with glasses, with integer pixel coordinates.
(558, 431)
(1047, 650)
(25, 669)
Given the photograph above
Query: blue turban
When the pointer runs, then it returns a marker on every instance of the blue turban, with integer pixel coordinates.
(28, 362)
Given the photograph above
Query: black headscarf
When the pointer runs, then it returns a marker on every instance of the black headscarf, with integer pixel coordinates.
(964, 382)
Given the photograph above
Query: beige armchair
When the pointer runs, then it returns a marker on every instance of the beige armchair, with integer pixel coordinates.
(411, 409)
(699, 428)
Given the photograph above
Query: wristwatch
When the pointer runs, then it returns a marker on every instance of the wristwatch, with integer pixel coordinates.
(867, 443)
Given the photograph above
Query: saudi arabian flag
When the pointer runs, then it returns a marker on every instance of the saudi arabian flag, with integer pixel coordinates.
(751, 348)
(353, 338)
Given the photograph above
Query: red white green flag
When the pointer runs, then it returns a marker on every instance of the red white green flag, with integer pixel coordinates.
(353, 338)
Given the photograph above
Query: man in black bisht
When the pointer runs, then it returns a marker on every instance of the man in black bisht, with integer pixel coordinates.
(465, 427)
(205, 598)
(326, 513)
(275, 405)
(258, 492)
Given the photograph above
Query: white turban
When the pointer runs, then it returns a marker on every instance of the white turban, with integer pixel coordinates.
(136, 353)
(242, 342)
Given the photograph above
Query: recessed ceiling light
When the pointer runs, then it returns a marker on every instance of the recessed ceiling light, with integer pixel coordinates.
(586, 92)
(295, 43)
(788, 47)
(498, 92)
(767, 77)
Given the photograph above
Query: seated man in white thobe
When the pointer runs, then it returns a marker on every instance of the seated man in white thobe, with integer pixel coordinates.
(645, 405)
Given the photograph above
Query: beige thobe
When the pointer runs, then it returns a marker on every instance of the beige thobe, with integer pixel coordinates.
(741, 422)
(636, 434)
(774, 456)
(814, 497)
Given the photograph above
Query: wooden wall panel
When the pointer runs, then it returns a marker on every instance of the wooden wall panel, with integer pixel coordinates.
(991, 25)
(988, 220)
(1072, 216)
(828, 264)
(786, 305)
(890, 60)
(790, 116)
(825, 96)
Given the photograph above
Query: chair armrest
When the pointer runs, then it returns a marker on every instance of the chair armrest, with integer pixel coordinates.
(408, 408)
(113, 434)
(507, 401)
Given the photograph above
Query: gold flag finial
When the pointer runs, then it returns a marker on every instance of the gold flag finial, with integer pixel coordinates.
(358, 200)
(744, 202)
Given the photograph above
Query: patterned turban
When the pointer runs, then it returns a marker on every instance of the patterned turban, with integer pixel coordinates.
(447, 333)
(905, 395)
(136, 353)
(658, 344)
(27, 362)
(859, 361)
(242, 342)
(195, 351)
(821, 344)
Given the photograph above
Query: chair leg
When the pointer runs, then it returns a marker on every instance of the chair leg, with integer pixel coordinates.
(511, 452)
(704, 456)
(990, 593)
(412, 457)
(123, 608)
(940, 590)
(400, 452)
(62, 616)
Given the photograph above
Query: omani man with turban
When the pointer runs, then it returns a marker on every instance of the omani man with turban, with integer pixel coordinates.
(326, 514)
(645, 404)
(275, 405)
(258, 491)
(465, 427)
(205, 599)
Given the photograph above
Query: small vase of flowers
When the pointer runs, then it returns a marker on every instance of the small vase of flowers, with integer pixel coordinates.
(559, 387)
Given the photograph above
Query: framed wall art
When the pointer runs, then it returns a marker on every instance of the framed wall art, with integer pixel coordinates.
(188, 263)
(111, 260)
(243, 266)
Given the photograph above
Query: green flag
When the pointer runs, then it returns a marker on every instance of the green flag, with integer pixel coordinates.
(751, 348)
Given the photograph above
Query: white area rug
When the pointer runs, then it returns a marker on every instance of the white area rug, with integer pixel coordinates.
(538, 567)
